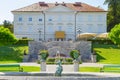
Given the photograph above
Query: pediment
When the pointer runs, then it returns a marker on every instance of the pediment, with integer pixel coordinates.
(60, 8)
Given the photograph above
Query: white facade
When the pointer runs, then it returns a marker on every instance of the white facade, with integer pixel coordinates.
(44, 24)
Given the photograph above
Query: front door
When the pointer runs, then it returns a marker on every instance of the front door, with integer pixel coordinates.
(60, 39)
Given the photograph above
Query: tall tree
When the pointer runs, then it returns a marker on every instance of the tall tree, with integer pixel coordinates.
(113, 13)
(6, 37)
(8, 24)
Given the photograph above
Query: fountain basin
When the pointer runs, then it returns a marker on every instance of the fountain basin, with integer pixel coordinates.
(65, 76)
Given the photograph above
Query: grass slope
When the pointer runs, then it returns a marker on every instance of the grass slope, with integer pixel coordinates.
(109, 54)
(12, 53)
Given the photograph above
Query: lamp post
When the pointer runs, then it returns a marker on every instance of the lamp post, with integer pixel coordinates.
(58, 54)
(39, 31)
(79, 31)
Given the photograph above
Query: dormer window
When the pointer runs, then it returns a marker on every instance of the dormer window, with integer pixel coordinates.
(56, 3)
(43, 4)
(77, 4)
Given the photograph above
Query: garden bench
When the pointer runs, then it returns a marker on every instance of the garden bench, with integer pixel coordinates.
(110, 68)
(12, 66)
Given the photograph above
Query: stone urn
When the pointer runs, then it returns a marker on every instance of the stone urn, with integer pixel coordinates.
(75, 55)
(43, 56)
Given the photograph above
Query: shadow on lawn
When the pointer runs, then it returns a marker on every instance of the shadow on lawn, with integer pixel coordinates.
(99, 57)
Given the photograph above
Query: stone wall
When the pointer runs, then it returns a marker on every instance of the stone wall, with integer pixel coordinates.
(64, 47)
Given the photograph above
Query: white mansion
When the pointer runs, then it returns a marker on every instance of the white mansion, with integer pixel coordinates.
(58, 21)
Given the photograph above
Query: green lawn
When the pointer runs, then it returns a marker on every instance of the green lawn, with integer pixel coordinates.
(12, 54)
(31, 69)
(109, 54)
(25, 69)
(89, 69)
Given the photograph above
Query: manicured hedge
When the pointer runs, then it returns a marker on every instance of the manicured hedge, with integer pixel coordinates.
(23, 41)
(53, 60)
(101, 41)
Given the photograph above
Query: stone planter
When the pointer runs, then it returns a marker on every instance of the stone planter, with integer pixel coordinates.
(43, 66)
(76, 65)
(25, 58)
(93, 58)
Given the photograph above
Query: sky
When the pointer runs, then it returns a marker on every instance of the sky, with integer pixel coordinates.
(6, 6)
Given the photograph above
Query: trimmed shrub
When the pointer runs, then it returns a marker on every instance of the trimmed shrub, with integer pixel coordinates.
(23, 41)
(44, 54)
(74, 54)
(50, 59)
(101, 41)
(69, 60)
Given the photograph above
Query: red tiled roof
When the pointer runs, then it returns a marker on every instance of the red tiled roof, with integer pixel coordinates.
(37, 7)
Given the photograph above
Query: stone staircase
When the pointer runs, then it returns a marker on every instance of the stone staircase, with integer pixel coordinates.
(64, 47)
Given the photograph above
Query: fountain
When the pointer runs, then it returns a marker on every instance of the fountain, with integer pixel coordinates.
(59, 69)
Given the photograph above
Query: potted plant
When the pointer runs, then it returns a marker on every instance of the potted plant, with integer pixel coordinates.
(44, 54)
(75, 54)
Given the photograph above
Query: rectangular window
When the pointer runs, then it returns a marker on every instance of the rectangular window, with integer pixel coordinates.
(80, 18)
(50, 20)
(20, 19)
(30, 29)
(90, 28)
(19, 29)
(100, 18)
(90, 17)
(50, 29)
(40, 19)
(60, 28)
(59, 18)
(100, 28)
(69, 29)
(30, 19)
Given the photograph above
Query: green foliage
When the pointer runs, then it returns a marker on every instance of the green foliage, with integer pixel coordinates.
(113, 13)
(6, 37)
(74, 54)
(101, 41)
(8, 24)
(12, 53)
(50, 59)
(44, 54)
(114, 35)
(69, 60)
(23, 41)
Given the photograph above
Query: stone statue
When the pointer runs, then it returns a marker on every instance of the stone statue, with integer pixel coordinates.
(59, 69)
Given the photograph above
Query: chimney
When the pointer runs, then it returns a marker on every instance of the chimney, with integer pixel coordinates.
(77, 4)
(43, 4)
(63, 4)
(56, 3)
